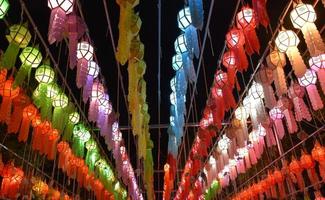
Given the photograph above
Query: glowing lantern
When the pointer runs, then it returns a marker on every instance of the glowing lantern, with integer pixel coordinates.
(246, 20)
(229, 60)
(296, 93)
(177, 62)
(8, 93)
(235, 40)
(4, 7)
(318, 154)
(180, 44)
(296, 169)
(287, 42)
(265, 78)
(40, 188)
(317, 63)
(18, 104)
(276, 115)
(29, 113)
(18, 37)
(185, 24)
(102, 116)
(93, 71)
(308, 163)
(76, 28)
(80, 136)
(92, 154)
(257, 109)
(221, 82)
(224, 143)
(286, 106)
(242, 116)
(30, 57)
(60, 10)
(84, 54)
(12, 178)
(173, 84)
(97, 92)
(303, 17)
(44, 74)
(60, 102)
(73, 119)
(308, 80)
(276, 60)
(279, 179)
(254, 138)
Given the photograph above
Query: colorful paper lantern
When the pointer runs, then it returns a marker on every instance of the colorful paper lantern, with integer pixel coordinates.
(177, 62)
(73, 119)
(308, 80)
(18, 37)
(287, 42)
(97, 92)
(246, 21)
(265, 78)
(8, 93)
(235, 41)
(4, 7)
(29, 113)
(318, 154)
(303, 17)
(296, 169)
(276, 115)
(30, 58)
(92, 154)
(60, 102)
(85, 53)
(229, 60)
(296, 93)
(317, 63)
(80, 136)
(93, 71)
(59, 11)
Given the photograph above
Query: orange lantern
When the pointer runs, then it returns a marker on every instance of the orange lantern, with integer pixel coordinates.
(53, 138)
(29, 113)
(318, 154)
(12, 178)
(296, 169)
(36, 124)
(40, 188)
(279, 179)
(46, 127)
(8, 93)
(271, 182)
(19, 103)
(308, 163)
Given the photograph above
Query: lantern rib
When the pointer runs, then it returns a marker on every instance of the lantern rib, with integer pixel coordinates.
(23, 5)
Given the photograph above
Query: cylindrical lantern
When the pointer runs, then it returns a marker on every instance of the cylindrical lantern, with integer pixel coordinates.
(85, 53)
(276, 115)
(59, 11)
(93, 71)
(296, 93)
(308, 80)
(18, 37)
(276, 61)
(246, 20)
(286, 106)
(287, 42)
(235, 41)
(303, 17)
(8, 93)
(4, 7)
(221, 82)
(29, 113)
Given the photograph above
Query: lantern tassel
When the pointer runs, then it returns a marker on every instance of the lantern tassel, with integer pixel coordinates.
(188, 67)
(57, 25)
(321, 78)
(93, 110)
(280, 81)
(291, 122)
(58, 118)
(192, 40)
(86, 92)
(241, 58)
(23, 71)
(259, 7)
(298, 65)
(24, 130)
(313, 39)
(5, 109)
(10, 55)
(269, 97)
(252, 156)
(314, 97)
(196, 10)
(279, 128)
(18, 106)
(73, 41)
(82, 71)
(252, 43)
(301, 109)
(67, 135)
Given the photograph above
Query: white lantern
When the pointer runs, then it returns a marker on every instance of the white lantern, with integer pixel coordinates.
(224, 143)
(177, 62)
(65, 5)
(181, 44)
(85, 50)
(302, 14)
(309, 78)
(173, 98)
(184, 19)
(256, 91)
(286, 39)
(173, 84)
(240, 113)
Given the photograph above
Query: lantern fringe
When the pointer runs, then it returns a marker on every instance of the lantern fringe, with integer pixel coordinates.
(252, 43)
(313, 39)
(196, 10)
(297, 63)
(5, 109)
(192, 40)
(19, 104)
(280, 81)
(86, 92)
(82, 71)
(279, 128)
(188, 67)
(314, 97)
(259, 7)
(59, 117)
(57, 25)
(321, 78)
(10, 55)
(23, 71)
(241, 58)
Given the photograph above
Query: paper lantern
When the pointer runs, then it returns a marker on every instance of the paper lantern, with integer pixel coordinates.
(279, 179)
(177, 62)
(60, 102)
(18, 104)
(97, 92)
(318, 154)
(308, 163)
(317, 63)
(224, 143)
(102, 116)
(276, 115)
(93, 71)
(44, 74)
(59, 11)
(30, 57)
(221, 82)
(185, 24)
(296, 169)
(296, 93)
(180, 44)
(8, 93)
(286, 106)
(254, 148)
(40, 188)
(246, 20)
(235, 41)
(73, 119)
(262, 17)
(80, 136)
(4, 7)
(92, 154)
(242, 115)
(29, 113)
(229, 60)
(85, 53)
(265, 78)
(303, 17)
(76, 28)
(18, 37)
(308, 80)
(276, 60)
(287, 42)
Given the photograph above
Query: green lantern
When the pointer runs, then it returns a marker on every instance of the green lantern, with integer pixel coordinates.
(105, 174)
(18, 37)
(73, 119)
(80, 136)
(60, 103)
(4, 7)
(30, 58)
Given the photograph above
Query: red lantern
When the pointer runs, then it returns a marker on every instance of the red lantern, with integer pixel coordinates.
(307, 162)
(235, 40)
(221, 82)
(8, 93)
(29, 113)
(261, 12)
(246, 21)
(229, 60)
(279, 179)
(318, 154)
(296, 169)
(19, 103)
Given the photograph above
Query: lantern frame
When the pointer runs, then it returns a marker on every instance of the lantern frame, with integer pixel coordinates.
(85, 51)
(177, 62)
(93, 69)
(31, 56)
(60, 101)
(286, 39)
(74, 117)
(44, 74)
(65, 5)
(246, 18)
(4, 7)
(19, 35)
(309, 78)
(276, 113)
(181, 44)
(302, 14)
(184, 19)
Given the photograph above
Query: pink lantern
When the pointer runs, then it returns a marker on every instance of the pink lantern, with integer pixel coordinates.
(84, 54)
(246, 20)
(276, 115)
(265, 78)
(317, 63)
(235, 41)
(285, 105)
(296, 93)
(308, 80)
(60, 10)
(97, 92)
(93, 71)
